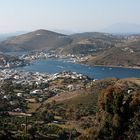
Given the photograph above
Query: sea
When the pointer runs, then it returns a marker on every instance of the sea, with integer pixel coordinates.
(96, 72)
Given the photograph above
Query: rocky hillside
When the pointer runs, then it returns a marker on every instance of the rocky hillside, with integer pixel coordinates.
(91, 43)
(37, 40)
(82, 43)
(126, 55)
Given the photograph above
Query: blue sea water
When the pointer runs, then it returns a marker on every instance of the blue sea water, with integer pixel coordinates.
(97, 72)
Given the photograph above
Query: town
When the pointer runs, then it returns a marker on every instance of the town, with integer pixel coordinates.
(35, 84)
(53, 55)
(23, 94)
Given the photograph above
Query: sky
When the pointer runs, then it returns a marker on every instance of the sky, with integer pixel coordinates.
(67, 15)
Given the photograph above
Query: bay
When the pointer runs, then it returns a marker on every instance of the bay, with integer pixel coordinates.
(96, 72)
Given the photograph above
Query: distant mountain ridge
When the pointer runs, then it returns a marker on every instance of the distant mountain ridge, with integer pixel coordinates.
(5, 36)
(122, 28)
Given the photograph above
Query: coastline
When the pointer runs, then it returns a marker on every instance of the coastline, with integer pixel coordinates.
(87, 64)
(113, 66)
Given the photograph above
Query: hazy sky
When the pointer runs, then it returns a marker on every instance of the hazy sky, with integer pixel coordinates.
(71, 15)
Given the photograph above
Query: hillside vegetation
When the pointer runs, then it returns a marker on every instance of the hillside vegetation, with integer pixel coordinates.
(118, 56)
(109, 109)
(118, 113)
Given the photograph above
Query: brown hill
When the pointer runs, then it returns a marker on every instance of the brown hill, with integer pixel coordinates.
(82, 43)
(91, 43)
(37, 40)
(126, 56)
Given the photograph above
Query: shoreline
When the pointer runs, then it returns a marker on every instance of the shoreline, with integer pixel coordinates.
(116, 66)
(76, 62)
(109, 66)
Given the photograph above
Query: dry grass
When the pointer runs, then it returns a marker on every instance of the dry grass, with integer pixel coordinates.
(63, 97)
(71, 125)
(32, 107)
(134, 80)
